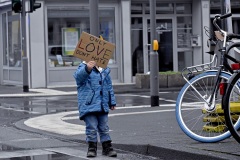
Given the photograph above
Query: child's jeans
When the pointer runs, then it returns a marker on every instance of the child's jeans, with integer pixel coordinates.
(97, 123)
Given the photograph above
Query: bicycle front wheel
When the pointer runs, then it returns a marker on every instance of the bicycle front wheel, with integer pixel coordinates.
(231, 104)
(191, 114)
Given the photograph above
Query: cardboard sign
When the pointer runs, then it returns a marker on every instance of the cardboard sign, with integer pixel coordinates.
(92, 48)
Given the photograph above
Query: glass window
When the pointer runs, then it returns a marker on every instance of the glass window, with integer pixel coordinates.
(137, 45)
(235, 6)
(184, 38)
(161, 8)
(64, 29)
(14, 40)
(184, 22)
(216, 6)
(184, 31)
(4, 31)
(236, 25)
(184, 34)
(183, 8)
(184, 59)
(136, 8)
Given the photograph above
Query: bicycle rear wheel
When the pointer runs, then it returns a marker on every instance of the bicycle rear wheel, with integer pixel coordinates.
(231, 104)
(192, 117)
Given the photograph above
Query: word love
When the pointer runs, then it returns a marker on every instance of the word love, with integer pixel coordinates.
(93, 48)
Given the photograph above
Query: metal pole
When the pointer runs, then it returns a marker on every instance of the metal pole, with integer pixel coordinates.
(229, 19)
(94, 19)
(223, 11)
(154, 66)
(24, 48)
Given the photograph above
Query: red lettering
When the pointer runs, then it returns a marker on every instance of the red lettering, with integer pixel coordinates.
(90, 47)
(79, 46)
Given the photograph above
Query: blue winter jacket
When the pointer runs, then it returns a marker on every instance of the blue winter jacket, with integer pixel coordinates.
(95, 91)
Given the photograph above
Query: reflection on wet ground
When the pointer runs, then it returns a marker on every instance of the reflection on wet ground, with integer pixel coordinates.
(54, 156)
(45, 105)
(4, 147)
(39, 105)
(15, 109)
(13, 153)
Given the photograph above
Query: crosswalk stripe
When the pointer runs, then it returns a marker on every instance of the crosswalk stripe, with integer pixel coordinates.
(24, 153)
(77, 153)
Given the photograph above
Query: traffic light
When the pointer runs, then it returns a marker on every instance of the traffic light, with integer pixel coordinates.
(34, 5)
(17, 6)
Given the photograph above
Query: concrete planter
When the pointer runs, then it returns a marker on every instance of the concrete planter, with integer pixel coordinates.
(165, 80)
(175, 80)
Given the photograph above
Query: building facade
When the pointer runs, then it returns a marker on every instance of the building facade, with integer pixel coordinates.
(53, 31)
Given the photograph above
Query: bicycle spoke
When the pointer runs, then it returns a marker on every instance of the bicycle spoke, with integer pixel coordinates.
(197, 122)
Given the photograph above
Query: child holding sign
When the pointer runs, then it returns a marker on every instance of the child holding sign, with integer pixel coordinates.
(95, 98)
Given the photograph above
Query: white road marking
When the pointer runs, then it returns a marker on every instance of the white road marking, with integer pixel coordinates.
(40, 92)
(44, 153)
(133, 113)
(53, 92)
(69, 151)
(130, 107)
(141, 95)
(76, 153)
(144, 96)
(55, 122)
(24, 153)
(24, 140)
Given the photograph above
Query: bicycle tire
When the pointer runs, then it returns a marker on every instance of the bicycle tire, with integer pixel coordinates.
(190, 112)
(231, 104)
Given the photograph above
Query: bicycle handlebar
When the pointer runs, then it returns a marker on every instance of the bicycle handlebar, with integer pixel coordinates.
(217, 17)
(226, 15)
(232, 35)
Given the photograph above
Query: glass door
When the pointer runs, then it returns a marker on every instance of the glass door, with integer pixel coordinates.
(164, 30)
(12, 67)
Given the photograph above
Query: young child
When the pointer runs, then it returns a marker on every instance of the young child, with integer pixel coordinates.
(95, 98)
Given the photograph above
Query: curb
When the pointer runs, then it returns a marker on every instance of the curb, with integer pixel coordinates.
(163, 153)
(146, 150)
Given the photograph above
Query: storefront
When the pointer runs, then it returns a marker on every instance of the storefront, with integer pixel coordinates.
(174, 31)
(123, 22)
(49, 46)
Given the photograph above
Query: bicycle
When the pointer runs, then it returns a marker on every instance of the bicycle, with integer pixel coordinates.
(198, 108)
(231, 101)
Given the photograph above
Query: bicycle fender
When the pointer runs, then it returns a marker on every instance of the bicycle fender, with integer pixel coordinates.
(221, 71)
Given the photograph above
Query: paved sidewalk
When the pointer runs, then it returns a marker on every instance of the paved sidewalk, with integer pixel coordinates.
(174, 147)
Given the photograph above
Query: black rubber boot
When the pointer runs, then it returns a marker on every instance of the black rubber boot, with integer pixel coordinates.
(92, 149)
(107, 149)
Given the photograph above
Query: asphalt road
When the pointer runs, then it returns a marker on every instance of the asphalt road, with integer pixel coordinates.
(35, 126)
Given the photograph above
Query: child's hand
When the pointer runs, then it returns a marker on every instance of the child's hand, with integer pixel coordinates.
(90, 65)
(112, 107)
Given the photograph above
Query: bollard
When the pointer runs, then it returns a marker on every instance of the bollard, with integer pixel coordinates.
(154, 75)
(25, 74)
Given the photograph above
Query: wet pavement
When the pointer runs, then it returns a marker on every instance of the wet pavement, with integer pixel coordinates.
(135, 126)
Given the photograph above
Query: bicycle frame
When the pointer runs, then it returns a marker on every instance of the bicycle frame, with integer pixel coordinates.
(212, 65)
